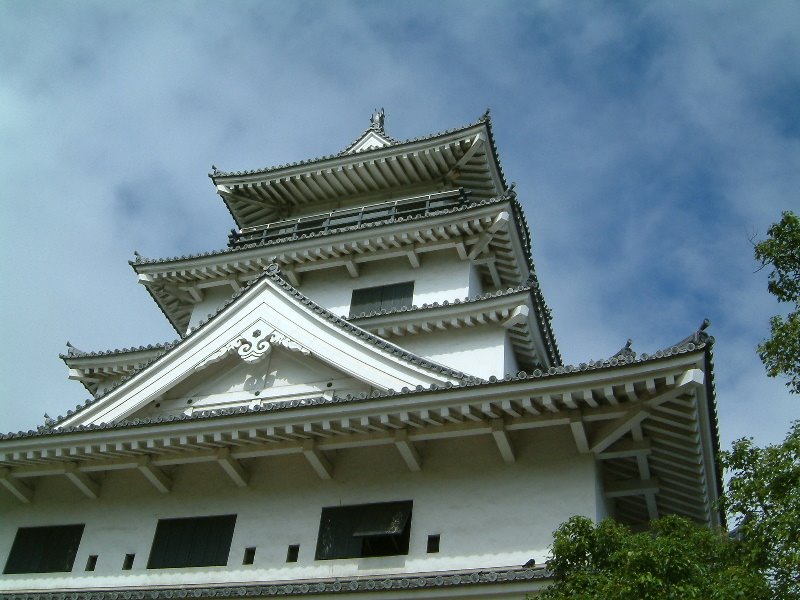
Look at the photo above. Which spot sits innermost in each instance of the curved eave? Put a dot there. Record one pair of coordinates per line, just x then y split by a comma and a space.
512, 310
95, 369
168, 281
648, 421
464, 158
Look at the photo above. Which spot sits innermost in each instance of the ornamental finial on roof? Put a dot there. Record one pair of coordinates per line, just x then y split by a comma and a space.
510, 193
486, 116
626, 351
377, 118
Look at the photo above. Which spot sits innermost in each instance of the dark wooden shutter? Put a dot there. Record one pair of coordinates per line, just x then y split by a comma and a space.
365, 300
44, 549
382, 297
380, 529
192, 542
397, 295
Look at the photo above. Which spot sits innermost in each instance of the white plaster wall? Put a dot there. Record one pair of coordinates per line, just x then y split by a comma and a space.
488, 513
213, 298
441, 276
480, 351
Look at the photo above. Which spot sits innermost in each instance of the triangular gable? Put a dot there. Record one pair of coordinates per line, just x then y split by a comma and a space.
269, 314
231, 383
369, 140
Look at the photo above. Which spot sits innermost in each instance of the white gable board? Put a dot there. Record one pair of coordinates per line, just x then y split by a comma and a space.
369, 141
266, 318
232, 382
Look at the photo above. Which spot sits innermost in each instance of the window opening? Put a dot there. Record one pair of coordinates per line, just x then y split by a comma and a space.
127, 564
433, 544
364, 530
49, 549
292, 553
382, 297
249, 556
91, 562
192, 542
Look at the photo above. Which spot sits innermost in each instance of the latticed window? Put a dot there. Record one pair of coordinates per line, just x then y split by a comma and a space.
382, 297
364, 530
44, 549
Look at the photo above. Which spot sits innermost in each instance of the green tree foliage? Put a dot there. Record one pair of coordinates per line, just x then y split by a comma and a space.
675, 560
764, 495
781, 251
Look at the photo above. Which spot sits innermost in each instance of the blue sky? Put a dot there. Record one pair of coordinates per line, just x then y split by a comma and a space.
650, 143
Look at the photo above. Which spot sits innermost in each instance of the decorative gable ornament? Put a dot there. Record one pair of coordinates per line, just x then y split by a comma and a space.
256, 346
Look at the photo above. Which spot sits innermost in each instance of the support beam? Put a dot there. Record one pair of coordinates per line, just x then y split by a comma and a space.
352, 268
518, 315
82, 481
625, 449
614, 430
652, 507
413, 258
632, 487
232, 468
407, 450
154, 475
317, 460
579, 433
292, 276
20, 491
503, 440
500, 222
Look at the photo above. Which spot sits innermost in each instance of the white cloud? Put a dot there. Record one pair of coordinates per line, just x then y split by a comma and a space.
648, 143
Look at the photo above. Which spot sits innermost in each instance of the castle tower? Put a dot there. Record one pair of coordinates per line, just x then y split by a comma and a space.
366, 398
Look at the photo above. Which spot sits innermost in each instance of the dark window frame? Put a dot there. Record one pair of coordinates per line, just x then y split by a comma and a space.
44, 549
192, 542
364, 530
382, 297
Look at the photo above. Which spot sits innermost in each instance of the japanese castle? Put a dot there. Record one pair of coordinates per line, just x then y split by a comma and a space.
365, 400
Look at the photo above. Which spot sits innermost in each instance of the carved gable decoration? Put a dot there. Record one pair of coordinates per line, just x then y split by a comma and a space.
256, 345
269, 314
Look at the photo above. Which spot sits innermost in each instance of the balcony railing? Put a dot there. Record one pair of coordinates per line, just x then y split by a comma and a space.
347, 217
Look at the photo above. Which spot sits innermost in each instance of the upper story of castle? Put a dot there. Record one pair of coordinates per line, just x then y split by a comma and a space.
420, 242
392, 178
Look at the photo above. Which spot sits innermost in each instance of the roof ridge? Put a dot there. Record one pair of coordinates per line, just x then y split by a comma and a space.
555, 371
218, 173
273, 272
73, 352
141, 260
445, 303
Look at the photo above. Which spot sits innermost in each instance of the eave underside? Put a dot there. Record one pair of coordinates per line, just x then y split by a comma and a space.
646, 429
464, 161
473, 234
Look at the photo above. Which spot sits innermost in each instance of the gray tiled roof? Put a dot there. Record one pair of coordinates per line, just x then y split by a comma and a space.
456, 302
553, 372
379, 130
73, 352
542, 311
302, 587
141, 260
485, 118
273, 272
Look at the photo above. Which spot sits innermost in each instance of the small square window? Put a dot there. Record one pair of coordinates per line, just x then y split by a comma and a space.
91, 562
249, 556
433, 544
127, 564
364, 530
292, 553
